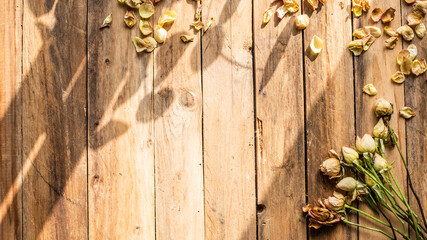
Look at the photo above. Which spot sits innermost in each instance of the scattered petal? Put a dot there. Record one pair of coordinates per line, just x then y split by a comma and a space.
420, 7
268, 13
208, 25
420, 30
391, 42
316, 45
414, 19
365, 5
146, 10
167, 17
133, 3
357, 10
406, 32
389, 31
198, 25
403, 53
130, 19
407, 112
198, 13
406, 66
416, 68
302, 21
375, 31
376, 14
398, 77
423, 65
356, 47
370, 89
367, 41
412, 51
313, 4
388, 15
107, 21
160, 34
147, 44
281, 12
121, 1
409, 1
341, 4
360, 33
187, 38
145, 27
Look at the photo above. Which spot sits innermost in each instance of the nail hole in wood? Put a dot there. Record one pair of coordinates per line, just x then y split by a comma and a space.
260, 208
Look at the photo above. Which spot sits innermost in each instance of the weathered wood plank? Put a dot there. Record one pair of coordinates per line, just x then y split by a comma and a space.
329, 102
178, 129
10, 120
121, 150
280, 126
228, 113
54, 119
376, 66
416, 128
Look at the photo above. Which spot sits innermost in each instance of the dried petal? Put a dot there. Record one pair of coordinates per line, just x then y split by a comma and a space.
291, 6
389, 31
423, 65
401, 54
391, 42
147, 44
420, 7
406, 32
357, 10
133, 3
420, 30
145, 27
414, 19
406, 66
160, 34
341, 4
107, 21
167, 17
187, 38
416, 67
356, 47
412, 51
370, 89
268, 13
198, 13
409, 1
407, 112
375, 31
146, 10
316, 45
313, 4
388, 15
376, 14
281, 12
207, 26
322, 1
198, 25
301, 22
360, 33
398, 77
130, 19
365, 5
121, 1
367, 41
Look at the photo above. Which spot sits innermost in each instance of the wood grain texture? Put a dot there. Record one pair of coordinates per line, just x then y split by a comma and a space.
178, 129
10, 121
329, 102
280, 126
121, 149
376, 66
416, 128
54, 102
228, 113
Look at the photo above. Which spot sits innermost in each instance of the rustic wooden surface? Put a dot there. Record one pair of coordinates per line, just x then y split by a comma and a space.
220, 138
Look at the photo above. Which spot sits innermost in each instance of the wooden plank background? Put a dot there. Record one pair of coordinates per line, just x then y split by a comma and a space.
220, 138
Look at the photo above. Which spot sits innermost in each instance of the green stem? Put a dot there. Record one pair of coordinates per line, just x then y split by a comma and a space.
369, 228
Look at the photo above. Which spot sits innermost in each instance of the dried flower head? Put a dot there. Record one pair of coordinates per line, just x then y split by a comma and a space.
268, 13
365, 144
383, 108
347, 184
376, 14
145, 27
406, 32
316, 45
350, 155
391, 42
320, 216
130, 19
370, 89
398, 77
380, 164
107, 21
381, 130
388, 15
331, 167
146, 10
335, 202
414, 19
407, 112
302, 21
420, 30
389, 31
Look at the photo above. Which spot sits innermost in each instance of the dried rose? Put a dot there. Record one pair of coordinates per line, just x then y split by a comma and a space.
335, 202
414, 19
365, 144
407, 112
302, 21
316, 45
370, 89
388, 15
187, 38
350, 155
383, 108
146, 10
268, 13
406, 32
391, 42
347, 184
145, 27
381, 130
130, 19
398, 77
331, 167
107, 21
420, 30
320, 216
380, 164
376, 14
167, 17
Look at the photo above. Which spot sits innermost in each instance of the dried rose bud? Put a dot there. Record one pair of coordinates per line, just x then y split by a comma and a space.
380, 164
383, 108
347, 184
331, 167
381, 130
350, 155
335, 202
302, 21
369, 181
370, 89
407, 112
365, 144
320, 216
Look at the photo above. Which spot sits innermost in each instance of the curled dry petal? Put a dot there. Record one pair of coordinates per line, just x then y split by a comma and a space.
331, 167
423, 65
406, 66
281, 12
313, 4
320, 216
383, 108
420, 7
147, 44
407, 112
365, 5
381, 130
316, 45
208, 25
409, 1
198, 13
160, 34
370, 89
412, 51
401, 54
417, 67
341, 4
167, 17
414, 19
367, 41
187, 38
375, 31
335, 202
333, 154
349, 154
365, 144
391, 42
398, 77
130, 19
121, 1
389, 31
146, 10
357, 10
133, 3
388, 15
347, 184
197, 25
268, 13
356, 47
291, 6
360, 33
376, 14
107, 21
302, 21
406, 32
420, 30
145, 27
